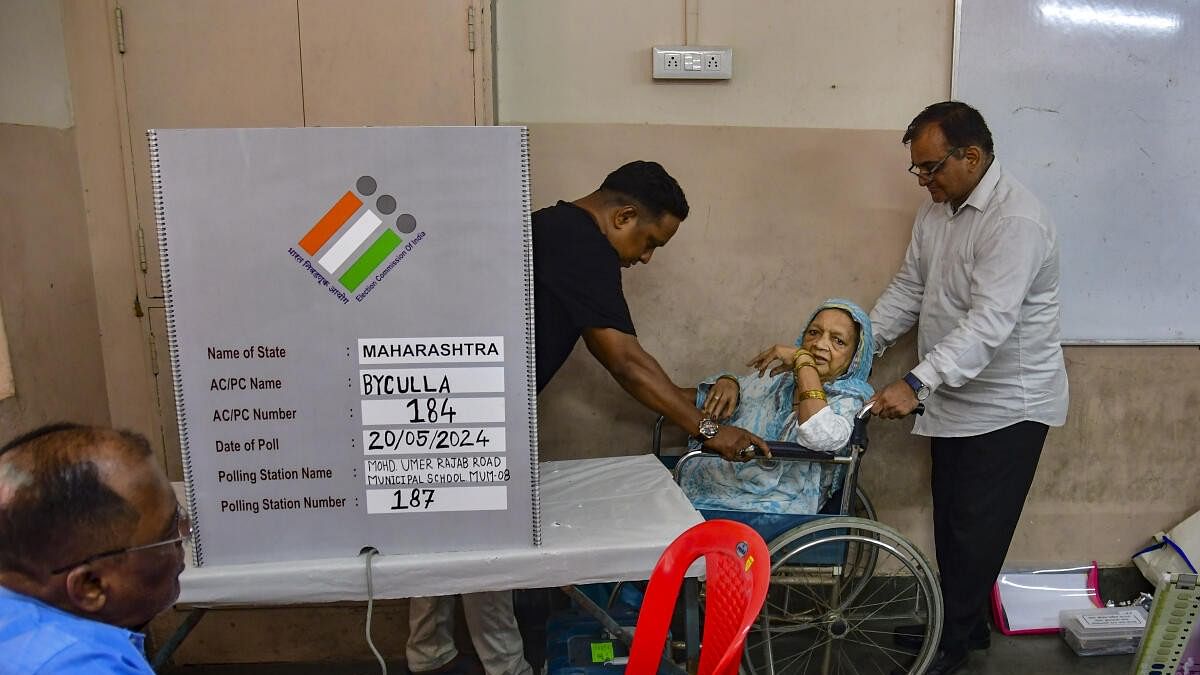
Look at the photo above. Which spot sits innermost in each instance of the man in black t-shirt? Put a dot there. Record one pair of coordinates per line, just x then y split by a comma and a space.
579, 249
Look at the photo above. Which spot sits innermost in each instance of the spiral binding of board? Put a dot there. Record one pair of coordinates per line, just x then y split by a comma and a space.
160, 218
530, 358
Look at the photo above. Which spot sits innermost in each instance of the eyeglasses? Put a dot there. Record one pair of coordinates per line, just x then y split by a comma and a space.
921, 172
183, 530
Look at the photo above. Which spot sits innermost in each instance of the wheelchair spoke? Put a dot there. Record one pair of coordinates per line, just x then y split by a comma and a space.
783, 664
887, 651
842, 659
890, 602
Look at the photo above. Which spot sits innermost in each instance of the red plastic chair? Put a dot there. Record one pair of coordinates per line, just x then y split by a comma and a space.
738, 569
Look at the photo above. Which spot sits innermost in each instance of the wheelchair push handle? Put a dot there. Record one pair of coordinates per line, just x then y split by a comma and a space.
865, 411
858, 437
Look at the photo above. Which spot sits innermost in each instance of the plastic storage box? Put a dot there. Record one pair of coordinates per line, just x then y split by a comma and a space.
1104, 630
576, 644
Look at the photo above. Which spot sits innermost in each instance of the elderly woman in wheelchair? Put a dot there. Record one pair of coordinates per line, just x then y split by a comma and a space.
840, 584
810, 397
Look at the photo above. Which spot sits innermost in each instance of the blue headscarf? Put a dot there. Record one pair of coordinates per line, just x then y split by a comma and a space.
766, 402
853, 382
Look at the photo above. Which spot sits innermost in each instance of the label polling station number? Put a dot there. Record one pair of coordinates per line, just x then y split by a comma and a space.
426, 429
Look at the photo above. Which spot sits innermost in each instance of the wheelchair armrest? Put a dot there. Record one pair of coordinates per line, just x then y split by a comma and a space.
781, 450
788, 450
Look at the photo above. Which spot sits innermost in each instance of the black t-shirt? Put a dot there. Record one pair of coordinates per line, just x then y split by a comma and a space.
576, 284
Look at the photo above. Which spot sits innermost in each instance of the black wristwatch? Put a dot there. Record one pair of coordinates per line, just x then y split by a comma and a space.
919, 388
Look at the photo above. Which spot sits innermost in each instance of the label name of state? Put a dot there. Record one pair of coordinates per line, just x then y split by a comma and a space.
427, 349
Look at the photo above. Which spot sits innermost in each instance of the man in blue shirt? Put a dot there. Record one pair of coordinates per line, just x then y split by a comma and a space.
91, 547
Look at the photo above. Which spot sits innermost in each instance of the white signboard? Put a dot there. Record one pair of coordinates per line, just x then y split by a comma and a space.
350, 313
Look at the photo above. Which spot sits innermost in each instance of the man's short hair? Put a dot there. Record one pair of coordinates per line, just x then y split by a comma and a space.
54, 502
650, 186
961, 124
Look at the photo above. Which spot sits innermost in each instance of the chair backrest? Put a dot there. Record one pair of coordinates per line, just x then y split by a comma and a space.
737, 571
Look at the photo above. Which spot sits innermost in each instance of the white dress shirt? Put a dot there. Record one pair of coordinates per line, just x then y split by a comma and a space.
982, 285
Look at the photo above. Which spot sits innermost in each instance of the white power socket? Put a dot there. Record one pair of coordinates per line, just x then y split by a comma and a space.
685, 62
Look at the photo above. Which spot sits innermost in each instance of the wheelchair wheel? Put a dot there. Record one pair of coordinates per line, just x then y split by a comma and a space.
862, 507
827, 612
860, 560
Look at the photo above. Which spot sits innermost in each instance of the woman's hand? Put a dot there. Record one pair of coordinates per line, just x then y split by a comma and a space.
785, 355
722, 399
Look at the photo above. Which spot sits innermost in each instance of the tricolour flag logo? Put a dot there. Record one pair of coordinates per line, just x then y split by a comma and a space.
352, 239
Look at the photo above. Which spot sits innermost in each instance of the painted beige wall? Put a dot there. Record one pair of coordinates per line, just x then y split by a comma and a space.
856, 64
33, 64
47, 293
46, 287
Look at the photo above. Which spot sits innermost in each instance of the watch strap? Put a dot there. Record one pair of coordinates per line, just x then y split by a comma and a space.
914, 382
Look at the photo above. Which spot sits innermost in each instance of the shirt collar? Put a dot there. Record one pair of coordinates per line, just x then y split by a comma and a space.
80, 626
984, 189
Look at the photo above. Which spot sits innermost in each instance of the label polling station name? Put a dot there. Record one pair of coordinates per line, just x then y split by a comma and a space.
436, 470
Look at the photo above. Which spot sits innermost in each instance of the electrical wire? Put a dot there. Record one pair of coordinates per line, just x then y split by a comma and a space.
370, 553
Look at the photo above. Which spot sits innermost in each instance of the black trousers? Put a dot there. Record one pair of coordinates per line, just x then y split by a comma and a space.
979, 485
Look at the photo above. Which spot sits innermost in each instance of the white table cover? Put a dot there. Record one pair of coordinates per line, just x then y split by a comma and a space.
603, 519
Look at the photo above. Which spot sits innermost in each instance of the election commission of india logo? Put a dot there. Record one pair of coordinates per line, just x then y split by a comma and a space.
347, 247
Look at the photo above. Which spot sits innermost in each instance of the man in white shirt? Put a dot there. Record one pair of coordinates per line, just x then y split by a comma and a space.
980, 281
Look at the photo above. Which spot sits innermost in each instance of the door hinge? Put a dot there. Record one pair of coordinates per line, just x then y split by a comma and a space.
142, 249
471, 29
119, 17
153, 344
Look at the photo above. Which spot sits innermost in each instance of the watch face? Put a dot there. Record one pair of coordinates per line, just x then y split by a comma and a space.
922, 393
708, 428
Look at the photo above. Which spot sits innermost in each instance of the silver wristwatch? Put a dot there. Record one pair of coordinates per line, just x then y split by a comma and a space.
708, 429
919, 388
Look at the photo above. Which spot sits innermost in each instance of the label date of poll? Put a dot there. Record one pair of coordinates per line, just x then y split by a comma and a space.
384, 441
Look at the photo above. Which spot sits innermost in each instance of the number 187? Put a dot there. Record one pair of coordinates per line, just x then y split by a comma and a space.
416, 498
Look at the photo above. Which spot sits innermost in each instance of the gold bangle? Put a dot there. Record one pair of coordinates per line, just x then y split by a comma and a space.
801, 351
806, 364
732, 379
812, 393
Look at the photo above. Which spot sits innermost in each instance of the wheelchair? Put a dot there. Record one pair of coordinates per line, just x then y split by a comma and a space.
841, 582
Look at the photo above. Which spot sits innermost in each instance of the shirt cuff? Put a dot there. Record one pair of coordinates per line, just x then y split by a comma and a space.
926, 373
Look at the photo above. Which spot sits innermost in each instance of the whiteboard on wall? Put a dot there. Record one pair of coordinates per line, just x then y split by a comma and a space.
1096, 108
